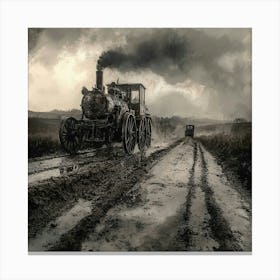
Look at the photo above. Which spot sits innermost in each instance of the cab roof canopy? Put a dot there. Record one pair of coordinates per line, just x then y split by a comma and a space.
134, 86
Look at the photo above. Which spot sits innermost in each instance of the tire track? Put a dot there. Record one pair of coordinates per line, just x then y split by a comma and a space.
201, 238
220, 227
235, 208
121, 179
198, 235
188, 231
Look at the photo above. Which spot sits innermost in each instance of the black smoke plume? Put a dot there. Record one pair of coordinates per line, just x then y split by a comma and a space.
155, 52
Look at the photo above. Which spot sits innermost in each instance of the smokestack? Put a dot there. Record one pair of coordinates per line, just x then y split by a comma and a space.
99, 79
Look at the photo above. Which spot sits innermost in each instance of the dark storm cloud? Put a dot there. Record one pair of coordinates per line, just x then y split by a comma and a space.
33, 36
59, 36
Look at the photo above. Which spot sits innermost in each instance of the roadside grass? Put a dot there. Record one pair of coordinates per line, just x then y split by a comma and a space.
42, 145
43, 137
233, 152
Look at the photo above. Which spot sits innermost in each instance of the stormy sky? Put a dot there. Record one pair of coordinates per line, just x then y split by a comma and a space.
202, 73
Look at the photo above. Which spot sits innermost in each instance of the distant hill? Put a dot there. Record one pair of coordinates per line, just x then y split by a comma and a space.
55, 114
189, 120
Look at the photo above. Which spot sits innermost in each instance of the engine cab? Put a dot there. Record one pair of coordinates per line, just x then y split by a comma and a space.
134, 94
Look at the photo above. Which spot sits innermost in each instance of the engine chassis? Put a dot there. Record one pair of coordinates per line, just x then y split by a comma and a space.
132, 130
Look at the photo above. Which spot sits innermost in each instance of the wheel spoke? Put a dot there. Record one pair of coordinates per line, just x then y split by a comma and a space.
129, 143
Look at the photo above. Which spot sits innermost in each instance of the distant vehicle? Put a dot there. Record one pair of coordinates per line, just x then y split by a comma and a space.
240, 120
189, 130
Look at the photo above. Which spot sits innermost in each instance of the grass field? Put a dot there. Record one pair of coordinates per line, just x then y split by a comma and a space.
233, 151
43, 137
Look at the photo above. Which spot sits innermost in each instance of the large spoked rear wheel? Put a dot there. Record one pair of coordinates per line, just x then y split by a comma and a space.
142, 134
148, 132
68, 135
129, 133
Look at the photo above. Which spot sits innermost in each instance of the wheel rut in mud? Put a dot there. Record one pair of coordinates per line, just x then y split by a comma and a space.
187, 232
220, 228
206, 227
198, 234
103, 185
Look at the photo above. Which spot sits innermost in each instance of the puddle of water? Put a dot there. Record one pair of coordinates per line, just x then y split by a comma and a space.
55, 167
61, 225
56, 172
44, 175
42, 165
62, 166
37, 166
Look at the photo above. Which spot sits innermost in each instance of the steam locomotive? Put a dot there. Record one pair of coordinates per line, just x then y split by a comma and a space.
120, 115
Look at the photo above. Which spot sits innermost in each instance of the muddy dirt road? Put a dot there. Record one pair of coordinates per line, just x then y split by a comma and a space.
174, 198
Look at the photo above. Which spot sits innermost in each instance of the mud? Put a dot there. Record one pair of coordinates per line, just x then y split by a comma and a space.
61, 225
134, 228
40, 169
233, 212
102, 183
199, 236
173, 198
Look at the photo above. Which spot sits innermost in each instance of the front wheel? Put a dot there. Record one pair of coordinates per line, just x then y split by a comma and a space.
69, 136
